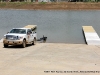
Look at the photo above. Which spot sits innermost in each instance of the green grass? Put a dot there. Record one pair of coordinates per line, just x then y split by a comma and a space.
2, 4
42, 2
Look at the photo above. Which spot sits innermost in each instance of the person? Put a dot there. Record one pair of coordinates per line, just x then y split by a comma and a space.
44, 39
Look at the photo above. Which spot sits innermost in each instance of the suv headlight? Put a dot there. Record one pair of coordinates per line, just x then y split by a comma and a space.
4, 37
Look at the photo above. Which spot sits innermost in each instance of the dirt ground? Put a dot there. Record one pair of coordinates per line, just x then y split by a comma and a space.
50, 59
51, 6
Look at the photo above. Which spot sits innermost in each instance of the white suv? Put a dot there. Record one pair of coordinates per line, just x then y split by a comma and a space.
20, 36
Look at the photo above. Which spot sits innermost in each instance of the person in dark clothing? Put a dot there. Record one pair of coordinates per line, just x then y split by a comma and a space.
44, 39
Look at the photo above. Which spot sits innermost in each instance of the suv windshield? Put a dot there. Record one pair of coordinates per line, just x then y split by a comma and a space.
20, 31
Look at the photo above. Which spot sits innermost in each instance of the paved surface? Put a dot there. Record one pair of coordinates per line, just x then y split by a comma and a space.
43, 57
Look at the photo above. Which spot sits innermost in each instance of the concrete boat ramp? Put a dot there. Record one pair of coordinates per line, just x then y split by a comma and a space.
50, 59
91, 36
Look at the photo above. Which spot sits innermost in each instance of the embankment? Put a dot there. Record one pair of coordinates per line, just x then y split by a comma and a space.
51, 6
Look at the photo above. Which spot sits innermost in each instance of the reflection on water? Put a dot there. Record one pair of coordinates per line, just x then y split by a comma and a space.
59, 26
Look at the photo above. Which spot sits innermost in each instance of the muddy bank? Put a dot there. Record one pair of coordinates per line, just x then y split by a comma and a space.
51, 6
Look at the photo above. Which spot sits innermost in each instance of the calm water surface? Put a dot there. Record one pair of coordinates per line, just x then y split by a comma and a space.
59, 26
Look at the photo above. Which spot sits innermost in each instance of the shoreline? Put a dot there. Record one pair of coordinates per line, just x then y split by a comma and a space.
51, 6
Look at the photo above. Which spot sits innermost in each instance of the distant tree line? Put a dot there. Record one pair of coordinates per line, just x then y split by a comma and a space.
84, 0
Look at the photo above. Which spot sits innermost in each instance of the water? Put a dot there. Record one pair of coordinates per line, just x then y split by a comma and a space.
59, 26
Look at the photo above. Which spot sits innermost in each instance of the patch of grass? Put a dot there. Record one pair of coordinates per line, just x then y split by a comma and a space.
2, 4
42, 2
14, 4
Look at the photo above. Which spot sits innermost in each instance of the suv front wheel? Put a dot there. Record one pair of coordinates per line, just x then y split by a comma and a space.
24, 44
5, 46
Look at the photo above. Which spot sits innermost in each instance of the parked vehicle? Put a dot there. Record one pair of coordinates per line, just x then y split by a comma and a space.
20, 36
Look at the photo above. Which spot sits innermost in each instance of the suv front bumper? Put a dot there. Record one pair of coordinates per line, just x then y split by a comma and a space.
12, 42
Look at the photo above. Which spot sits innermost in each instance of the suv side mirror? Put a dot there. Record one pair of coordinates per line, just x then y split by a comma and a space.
7, 32
28, 33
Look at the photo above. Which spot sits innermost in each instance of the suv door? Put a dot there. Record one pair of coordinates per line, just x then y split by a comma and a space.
29, 35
